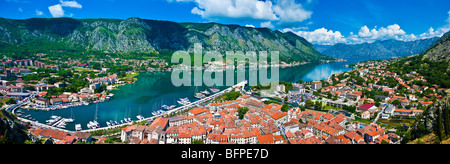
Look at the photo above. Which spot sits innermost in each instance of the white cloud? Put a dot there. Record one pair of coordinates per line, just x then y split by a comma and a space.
249, 25
237, 9
278, 12
364, 32
390, 32
436, 33
324, 36
56, 10
70, 4
320, 36
20, 9
267, 24
290, 12
39, 12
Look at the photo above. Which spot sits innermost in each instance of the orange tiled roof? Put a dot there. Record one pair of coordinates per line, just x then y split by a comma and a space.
266, 139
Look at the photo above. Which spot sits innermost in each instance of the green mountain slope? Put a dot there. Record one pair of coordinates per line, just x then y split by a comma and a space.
433, 63
440, 51
135, 35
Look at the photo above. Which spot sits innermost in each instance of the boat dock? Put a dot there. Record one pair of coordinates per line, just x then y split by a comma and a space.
41, 125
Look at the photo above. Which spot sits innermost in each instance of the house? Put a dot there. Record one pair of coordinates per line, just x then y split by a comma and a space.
365, 115
216, 139
217, 106
372, 132
412, 97
83, 137
94, 86
265, 139
137, 131
172, 135
316, 85
427, 103
56, 101
41, 101
354, 137
388, 111
366, 107
402, 112
184, 138
160, 121
55, 135
279, 117
198, 111
83, 65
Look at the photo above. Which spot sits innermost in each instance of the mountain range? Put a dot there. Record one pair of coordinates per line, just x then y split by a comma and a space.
382, 49
136, 35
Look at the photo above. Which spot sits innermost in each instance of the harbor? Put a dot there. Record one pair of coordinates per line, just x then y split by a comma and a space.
59, 123
186, 106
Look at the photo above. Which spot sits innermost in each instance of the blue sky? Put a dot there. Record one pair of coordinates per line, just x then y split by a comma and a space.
319, 21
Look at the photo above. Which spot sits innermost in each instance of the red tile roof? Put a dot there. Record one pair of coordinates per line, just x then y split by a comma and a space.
366, 106
266, 139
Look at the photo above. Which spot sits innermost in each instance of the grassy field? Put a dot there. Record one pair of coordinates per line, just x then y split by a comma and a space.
81, 69
397, 122
130, 77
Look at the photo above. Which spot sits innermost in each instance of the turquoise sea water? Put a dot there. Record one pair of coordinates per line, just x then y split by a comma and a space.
154, 89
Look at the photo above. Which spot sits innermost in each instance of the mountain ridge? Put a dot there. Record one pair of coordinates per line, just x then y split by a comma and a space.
381, 49
148, 36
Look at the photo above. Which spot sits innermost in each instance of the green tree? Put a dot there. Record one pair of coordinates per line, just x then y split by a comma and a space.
447, 120
302, 108
11, 101
438, 126
308, 104
318, 105
196, 141
285, 107
396, 102
242, 111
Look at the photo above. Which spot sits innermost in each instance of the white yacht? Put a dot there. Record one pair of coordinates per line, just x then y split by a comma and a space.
78, 127
140, 117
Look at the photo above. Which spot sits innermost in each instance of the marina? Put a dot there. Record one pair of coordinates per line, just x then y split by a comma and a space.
59, 122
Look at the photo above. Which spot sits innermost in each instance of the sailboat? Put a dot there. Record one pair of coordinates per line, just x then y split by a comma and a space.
71, 119
139, 116
94, 124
